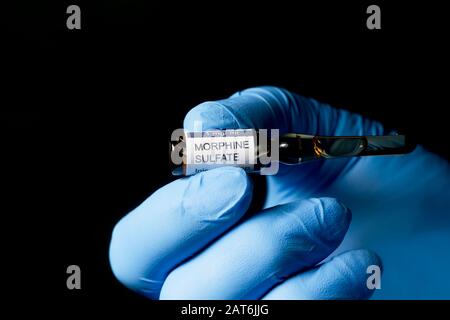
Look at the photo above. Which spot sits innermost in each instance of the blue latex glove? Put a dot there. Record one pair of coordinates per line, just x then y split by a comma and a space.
188, 241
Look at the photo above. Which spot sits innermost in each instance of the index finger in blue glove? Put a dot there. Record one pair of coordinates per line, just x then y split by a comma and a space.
174, 223
271, 107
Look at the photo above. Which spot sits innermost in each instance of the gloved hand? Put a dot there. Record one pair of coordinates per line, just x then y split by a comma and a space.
192, 238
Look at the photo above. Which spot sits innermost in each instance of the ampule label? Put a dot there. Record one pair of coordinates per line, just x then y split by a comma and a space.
210, 149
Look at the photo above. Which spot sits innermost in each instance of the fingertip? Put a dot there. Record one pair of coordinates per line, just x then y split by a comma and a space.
219, 194
209, 115
356, 267
336, 217
345, 277
124, 271
259, 108
365, 257
315, 227
359, 259
329, 219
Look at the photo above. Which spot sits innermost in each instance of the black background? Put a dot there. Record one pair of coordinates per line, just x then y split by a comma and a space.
87, 113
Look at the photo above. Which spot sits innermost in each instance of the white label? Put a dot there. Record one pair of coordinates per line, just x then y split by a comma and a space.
210, 149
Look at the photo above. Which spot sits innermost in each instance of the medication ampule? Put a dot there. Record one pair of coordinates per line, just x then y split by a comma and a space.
252, 150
